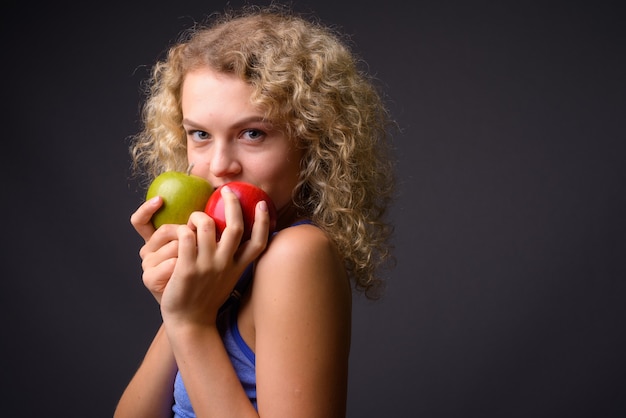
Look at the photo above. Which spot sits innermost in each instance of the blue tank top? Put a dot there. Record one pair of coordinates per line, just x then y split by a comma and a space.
241, 356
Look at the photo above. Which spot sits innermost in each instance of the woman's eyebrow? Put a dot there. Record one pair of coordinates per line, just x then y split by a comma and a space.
241, 122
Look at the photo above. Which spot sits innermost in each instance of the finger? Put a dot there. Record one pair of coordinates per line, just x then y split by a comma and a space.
155, 279
251, 249
187, 246
141, 219
231, 236
160, 238
261, 226
206, 234
152, 258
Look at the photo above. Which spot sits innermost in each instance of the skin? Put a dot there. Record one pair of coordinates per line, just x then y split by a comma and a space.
296, 315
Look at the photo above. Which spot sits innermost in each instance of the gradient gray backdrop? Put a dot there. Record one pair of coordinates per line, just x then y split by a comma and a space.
508, 297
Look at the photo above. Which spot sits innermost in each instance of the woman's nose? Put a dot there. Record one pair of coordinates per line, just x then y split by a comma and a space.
224, 162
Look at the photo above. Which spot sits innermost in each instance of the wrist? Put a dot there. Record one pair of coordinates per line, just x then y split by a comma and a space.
188, 340
185, 330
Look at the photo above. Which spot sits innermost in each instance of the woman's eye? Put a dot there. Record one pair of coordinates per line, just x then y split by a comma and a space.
253, 135
199, 135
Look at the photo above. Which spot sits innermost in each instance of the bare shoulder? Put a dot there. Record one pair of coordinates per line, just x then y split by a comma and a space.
302, 256
301, 274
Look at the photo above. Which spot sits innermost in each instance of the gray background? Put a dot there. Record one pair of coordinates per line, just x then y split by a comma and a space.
508, 297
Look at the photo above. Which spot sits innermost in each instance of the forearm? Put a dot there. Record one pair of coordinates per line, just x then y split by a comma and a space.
210, 379
150, 392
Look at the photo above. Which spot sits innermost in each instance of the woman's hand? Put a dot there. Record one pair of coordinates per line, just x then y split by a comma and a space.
204, 271
160, 249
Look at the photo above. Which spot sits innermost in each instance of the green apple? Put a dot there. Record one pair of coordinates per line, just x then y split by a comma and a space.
182, 194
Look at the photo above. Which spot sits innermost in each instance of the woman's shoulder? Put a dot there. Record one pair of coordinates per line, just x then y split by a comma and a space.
301, 257
301, 243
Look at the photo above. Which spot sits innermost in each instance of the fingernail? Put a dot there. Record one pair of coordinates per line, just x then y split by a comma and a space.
263, 205
154, 200
226, 189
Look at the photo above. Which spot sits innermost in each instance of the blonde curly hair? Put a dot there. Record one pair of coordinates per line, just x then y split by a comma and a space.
308, 82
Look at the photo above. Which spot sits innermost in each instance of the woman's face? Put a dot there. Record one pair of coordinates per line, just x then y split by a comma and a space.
228, 140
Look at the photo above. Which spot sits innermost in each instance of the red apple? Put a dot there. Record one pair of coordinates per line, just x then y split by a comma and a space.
182, 194
248, 195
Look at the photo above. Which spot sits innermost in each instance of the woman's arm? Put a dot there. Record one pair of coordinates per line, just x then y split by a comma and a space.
150, 392
302, 315
210, 380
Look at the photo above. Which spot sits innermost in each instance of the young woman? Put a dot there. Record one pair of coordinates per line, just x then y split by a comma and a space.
266, 97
